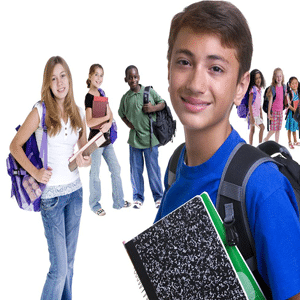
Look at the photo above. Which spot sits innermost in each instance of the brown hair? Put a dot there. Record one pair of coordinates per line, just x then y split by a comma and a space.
91, 72
222, 19
53, 114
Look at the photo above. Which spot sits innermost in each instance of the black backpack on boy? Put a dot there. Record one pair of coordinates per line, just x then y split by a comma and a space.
231, 203
164, 127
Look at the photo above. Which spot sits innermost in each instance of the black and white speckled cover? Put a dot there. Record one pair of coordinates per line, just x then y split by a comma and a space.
182, 257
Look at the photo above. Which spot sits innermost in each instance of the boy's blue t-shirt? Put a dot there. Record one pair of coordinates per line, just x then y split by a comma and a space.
271, 207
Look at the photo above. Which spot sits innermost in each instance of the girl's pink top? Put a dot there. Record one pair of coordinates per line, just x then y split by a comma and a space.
257, 102
278, 103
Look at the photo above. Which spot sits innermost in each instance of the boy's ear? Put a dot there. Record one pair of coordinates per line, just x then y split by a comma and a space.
125, 79
241, 88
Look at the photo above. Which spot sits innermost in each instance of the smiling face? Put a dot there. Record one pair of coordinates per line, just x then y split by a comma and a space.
257, 80
96, 78
133, 78
279, 77
294, 85
203, 81
59, 82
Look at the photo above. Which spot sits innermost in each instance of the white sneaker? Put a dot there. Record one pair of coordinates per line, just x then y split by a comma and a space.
157, 203
137, 204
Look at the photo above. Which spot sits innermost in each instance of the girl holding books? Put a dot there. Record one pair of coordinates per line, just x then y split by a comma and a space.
103, 124
293, 99
61, 202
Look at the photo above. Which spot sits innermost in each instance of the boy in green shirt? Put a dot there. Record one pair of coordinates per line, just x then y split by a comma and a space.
134, 113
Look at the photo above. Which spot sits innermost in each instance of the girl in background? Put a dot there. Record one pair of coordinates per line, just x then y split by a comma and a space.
61, 202
276, 95
257, 82
293, 99
94, 81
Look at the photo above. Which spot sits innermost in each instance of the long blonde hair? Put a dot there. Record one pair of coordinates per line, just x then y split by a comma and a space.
53, 114
274, 81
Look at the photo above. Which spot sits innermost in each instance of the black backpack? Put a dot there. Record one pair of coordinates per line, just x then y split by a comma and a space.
266, 99
232, 189
164, 128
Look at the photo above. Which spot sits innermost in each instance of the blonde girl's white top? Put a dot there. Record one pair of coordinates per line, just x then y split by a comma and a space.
60, 149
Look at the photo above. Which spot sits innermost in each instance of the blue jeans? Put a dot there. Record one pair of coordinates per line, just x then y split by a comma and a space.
136, 172
61, 218
109, 155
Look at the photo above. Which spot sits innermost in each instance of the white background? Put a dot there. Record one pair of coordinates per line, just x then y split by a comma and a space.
114, 34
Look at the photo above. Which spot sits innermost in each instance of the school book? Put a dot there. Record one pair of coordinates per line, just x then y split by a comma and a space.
87, 149
183, 256
99, 108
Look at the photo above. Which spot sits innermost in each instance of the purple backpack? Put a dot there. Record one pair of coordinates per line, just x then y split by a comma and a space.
25, 188
243, 108
113, 134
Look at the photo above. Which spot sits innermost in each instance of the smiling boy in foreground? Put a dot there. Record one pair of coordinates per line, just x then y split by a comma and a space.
209, 57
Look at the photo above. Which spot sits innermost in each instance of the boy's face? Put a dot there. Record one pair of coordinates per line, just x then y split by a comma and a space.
203, 81
132, 78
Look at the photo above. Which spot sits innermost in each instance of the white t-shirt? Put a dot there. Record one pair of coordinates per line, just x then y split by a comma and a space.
60, 149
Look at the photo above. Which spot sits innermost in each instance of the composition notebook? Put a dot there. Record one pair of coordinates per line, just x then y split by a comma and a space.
183, 256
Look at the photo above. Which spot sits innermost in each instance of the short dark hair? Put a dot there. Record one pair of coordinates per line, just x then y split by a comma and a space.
129, 68
222, 19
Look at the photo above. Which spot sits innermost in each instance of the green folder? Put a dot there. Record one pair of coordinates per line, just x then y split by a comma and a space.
246, 277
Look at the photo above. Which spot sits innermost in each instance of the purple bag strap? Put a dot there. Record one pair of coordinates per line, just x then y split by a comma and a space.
102, 94
44, 144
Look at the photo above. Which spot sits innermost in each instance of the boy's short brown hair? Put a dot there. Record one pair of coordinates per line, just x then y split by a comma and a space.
222, 19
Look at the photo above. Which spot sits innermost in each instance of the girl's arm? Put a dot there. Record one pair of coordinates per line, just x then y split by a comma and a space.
92, 122
106, 126
83, 161
290, 104
250, 108
26, 130
270, 106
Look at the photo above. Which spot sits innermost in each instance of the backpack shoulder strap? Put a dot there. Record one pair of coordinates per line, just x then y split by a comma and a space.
173, 162
146, 94
146, 99
232, 194
44, 144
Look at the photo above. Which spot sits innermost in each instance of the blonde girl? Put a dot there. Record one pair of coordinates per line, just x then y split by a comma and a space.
62, 198
276, 95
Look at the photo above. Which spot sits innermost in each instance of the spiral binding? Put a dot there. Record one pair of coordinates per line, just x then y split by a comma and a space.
141, 287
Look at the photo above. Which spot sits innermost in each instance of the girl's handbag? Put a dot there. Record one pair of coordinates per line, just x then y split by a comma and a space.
113, 129
25, 188
113, 134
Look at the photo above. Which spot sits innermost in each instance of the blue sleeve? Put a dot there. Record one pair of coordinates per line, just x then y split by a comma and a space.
274, 222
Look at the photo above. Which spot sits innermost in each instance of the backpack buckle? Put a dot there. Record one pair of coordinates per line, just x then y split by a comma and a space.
232, 237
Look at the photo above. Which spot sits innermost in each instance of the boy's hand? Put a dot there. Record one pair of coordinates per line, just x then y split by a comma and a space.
127, 122
148, 108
